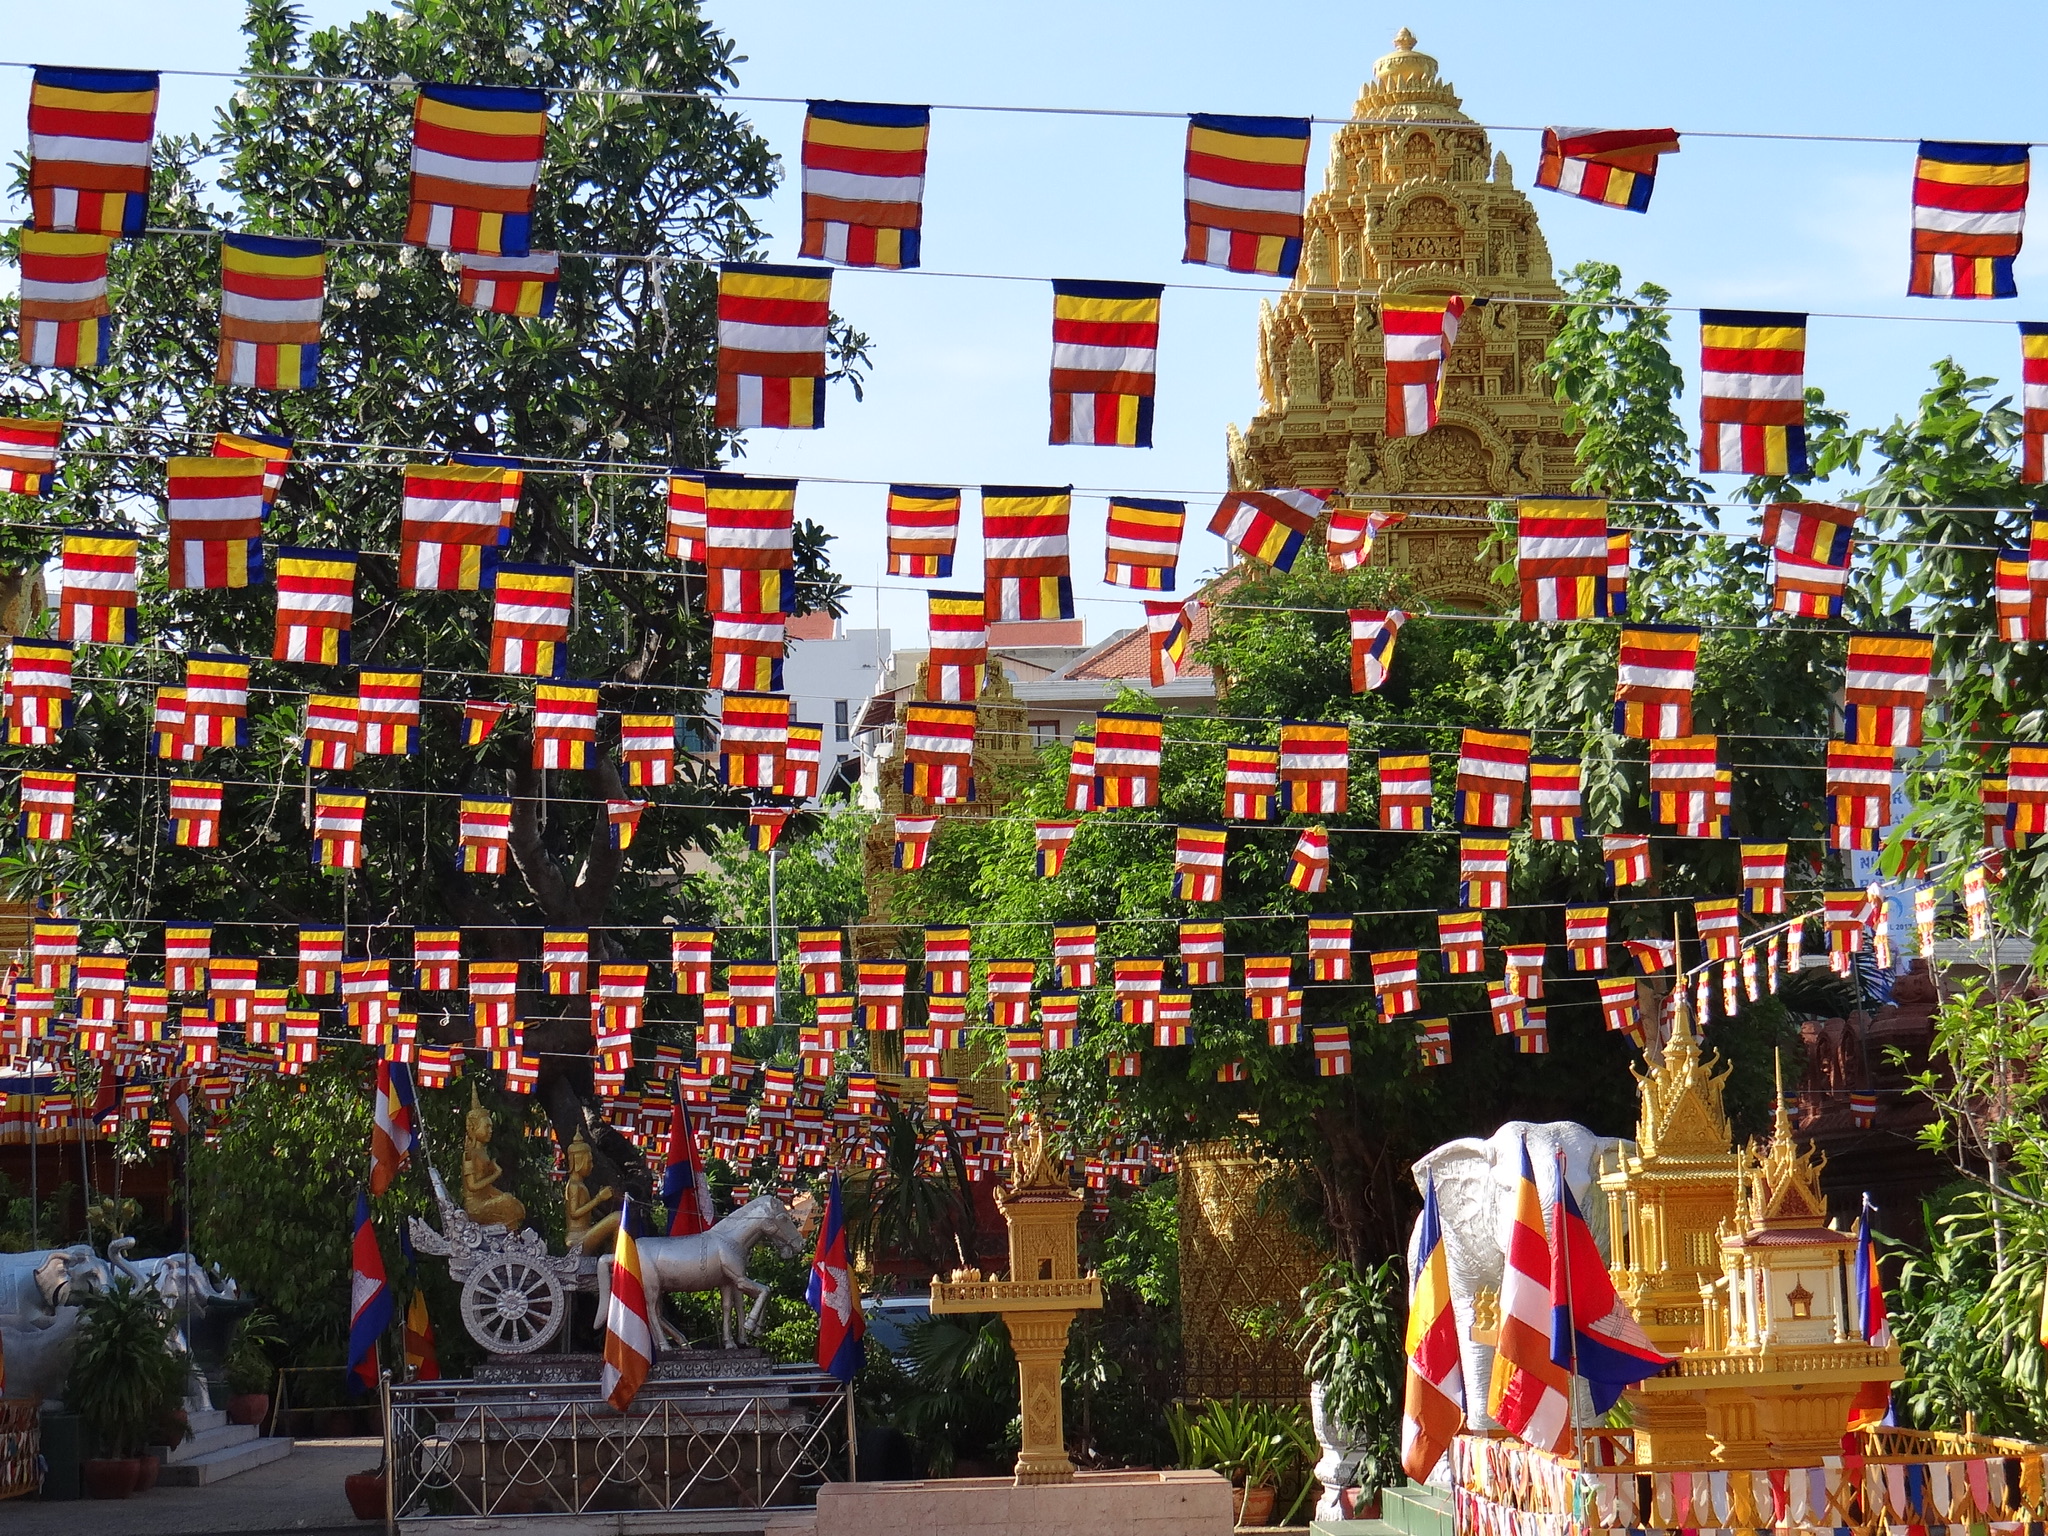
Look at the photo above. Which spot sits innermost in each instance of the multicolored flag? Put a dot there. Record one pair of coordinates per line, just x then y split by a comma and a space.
98, 599
1315, 767
1169, 628
1144, 543
1246, 179
685, 532
956, 664
1353, 531
1483, 872
746, 651
64, 309
1873, 1404
89, 137
1025, 565
38, 691
1105, 362
1654, 682
531, 610
1198, 863
1269, 526
215, 509
479, 718
1615, 167
369, 1305
1461, 936
797, 778
1763, 878
1530, 1394
628, 1320
1251, 782
771, 345
564, 724
49, 805
924, 527
511, 285
647, 745
485, 829
1406, 794
1053, 840
1593, 1334
1884, 697
1555, 800
316, 602
684, 1188
749, 544
2033, 392
1308, 869
394, 1129
1585, 937
1493, 773
273, 292
753, 736
834, 1293
338, 828
914, 841
1561, 557
28, 455
1372, 646
938, 753
1433, 1394
1969, 212
863, 183
1752, 392
476, 152
1127, 757
1419, 334
454, 518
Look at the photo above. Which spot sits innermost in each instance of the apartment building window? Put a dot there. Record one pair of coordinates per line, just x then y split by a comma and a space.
840, 732
1044, 731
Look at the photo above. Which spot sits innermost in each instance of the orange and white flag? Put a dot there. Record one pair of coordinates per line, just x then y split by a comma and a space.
628, 1329
1529, 1395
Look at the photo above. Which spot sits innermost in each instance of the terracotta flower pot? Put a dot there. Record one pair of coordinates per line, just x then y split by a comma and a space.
146, 1470
365, 1492
1253, 1506
109, 1478
248, 1407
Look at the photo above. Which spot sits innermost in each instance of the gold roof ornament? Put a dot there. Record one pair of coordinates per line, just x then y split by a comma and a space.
1784, 1183
1682, 1099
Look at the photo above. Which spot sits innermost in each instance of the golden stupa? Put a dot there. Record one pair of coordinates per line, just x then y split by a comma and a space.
1414, 201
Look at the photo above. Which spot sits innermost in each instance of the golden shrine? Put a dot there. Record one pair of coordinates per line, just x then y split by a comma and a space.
1038, 1301
1414, 201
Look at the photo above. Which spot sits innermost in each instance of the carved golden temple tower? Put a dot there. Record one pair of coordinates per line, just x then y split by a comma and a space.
1414, 201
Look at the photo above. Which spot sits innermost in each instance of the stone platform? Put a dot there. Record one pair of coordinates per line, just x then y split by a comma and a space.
1175, 1503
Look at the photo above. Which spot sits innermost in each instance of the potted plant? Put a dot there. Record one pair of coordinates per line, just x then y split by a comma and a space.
124, 1379
248, 1370
1258, 1446
1351, 1347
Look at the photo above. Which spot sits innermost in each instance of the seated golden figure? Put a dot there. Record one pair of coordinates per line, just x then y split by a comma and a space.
579, 1206
486, 1204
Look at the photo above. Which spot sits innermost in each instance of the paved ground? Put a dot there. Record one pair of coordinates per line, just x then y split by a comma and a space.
301, 1493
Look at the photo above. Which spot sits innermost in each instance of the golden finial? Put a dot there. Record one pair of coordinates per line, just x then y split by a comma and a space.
1781, 1125
1404, 41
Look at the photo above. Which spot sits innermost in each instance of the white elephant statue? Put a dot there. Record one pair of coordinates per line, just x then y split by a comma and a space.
35, 1284
38, 1357
189, 1289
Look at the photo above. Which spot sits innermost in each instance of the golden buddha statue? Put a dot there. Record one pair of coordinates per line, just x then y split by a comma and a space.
487, 1205
586, 1231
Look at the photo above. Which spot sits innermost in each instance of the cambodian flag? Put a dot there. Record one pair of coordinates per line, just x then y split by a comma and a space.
1873, 1403
684, 1189
1592, 1333
369, 1302
834, 1294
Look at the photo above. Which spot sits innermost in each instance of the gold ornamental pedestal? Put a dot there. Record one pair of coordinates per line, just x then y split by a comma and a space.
1037, 1302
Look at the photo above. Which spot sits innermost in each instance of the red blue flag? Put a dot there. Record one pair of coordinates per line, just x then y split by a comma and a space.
1873, 1404
1592, 1332
684, 1189
834, 1294
369, 1302
394, 1124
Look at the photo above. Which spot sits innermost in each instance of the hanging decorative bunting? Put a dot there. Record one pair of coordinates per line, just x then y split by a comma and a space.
690, 956
1719, 921
1859, 784
1081, 774
1752, 392
1811, 545
957, 664
388, 713
531, 610
1654, 681
771, 345
1201, 954
938, 753
914, 840
1251, 782
749, 544
215, 513
1763, 878
1348, 543
316, 600
564, 724
1885, 692
38, 691
2022, 606
1419, 333
1652, 955
1372, 646
1483, 872
1614, 596
1461, 936
1554, 799
272, 295
863, 183
1433, 1039
436, 958
1394, 981
216, 700
195, 813
511, 285
2033, 392
1136, 985
1523, 969
1024, 552
1198, 863
1127, 754
1246, 178
476, 152
479, 718
1627, 855
338, 828
924, 526
485, 828
1683, 778
454, 519
753, 735
948, 953
647, 744
746, 651
1615, 167
1053, 839
1329, 947
1073, 954
49, 805
1269, 526
880, 984
1315, 768
1585, 936
1309, 869
2026, 785
1169, 627
622, 821
687, 517
1561, 557
1969, 210
1105, 362
28, 455
1406, 794
64, 308
99, 592
1618, 1007
565, 960
1493, 772
1143, 543
90, 132
168, 726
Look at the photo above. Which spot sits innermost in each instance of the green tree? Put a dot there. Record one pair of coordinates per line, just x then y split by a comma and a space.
619, 380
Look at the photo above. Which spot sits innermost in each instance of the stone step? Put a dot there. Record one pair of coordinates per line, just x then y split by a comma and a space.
1416, 1510
204, 1442
215, 1465
210, 1418
1351, 1528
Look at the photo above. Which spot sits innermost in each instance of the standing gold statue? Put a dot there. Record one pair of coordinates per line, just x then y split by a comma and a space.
580, 1206
481, 1198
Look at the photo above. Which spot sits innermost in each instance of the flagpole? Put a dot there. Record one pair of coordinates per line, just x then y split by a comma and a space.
1564, 1249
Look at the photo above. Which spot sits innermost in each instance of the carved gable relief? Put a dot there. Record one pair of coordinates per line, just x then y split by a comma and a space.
1418, 158
1447, 458
1427, 230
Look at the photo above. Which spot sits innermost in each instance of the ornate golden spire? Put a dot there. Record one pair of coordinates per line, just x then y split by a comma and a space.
1682, 1099
1784, 1182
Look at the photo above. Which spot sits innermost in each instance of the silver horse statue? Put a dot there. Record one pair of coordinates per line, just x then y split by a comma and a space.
711, 1261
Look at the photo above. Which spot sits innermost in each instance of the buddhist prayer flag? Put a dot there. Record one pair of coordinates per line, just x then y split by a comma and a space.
1137, 988
1024, 552
1246, 178
1251, 782
938, 753
216, 699
1561, 557
1585, 937
1483, 872
746, 651
1628, 858
1885, 692
690, 955
753, 735
1394, 981
924, 526
1529, 1395
1433, 1393
1127, 754
168, 726
2033, 388
1433, 1039
1201, 953
1309, 868
1349, 540
771, 345
1144, 543
1073, 954
947, 954
1081, 774
564, 724
479, 718
486, 836
1593, 1334
64, 307
89, 138
863, 183
1372, 646
1763, 878
1683, 778
272, 294
914, 840
49, 803
1652, 955
1332, 1046
1406, 793
99, 588
338, 829
1614, 600
1461, 936
38, 691
749, 543
1653, 687
957, 663
565, 959
764, 828
476, 152
1554, 799
1969, 209
1615, 167
1810, 530
195, 813
28, 455
1859, 783
1419, 334
455, 516
1329, 947
436, 957
1054, 838
647, 744
1198, 863
216, 508
1268, 525
1719, 921
1493, 772
531, 610
622, 821
316, 601
1168, 629
1752, 392
2026, 785
879, 985
1315, 768
2022, 606
1105, 362
685, 532
511, 285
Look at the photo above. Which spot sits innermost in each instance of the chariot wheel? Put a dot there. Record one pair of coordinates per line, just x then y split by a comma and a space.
511, 1305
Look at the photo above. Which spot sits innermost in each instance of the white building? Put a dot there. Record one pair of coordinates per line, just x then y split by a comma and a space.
828, 674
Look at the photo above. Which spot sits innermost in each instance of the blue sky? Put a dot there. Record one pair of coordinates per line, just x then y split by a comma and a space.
958, 394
